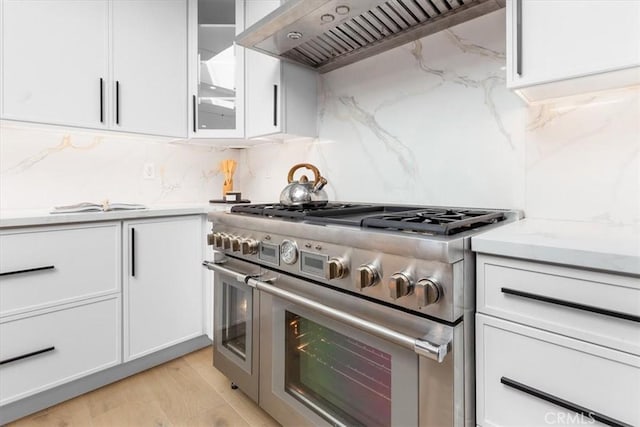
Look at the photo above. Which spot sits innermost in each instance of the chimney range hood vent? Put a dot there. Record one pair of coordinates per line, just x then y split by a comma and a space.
329, 34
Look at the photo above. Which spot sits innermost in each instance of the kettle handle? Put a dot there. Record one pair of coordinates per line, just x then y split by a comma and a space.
317, 177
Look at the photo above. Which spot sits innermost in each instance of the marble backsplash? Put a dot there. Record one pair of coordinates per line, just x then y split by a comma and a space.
42, 167
432, 122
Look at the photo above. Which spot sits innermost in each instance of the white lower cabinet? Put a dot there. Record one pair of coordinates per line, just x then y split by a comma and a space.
42, 351
162, 283
530, 377
78, 299
555, 345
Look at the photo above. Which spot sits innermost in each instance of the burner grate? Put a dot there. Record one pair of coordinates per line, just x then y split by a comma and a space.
278, 210
437, 221
443, 221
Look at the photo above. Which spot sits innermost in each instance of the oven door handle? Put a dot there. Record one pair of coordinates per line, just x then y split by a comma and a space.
420, 346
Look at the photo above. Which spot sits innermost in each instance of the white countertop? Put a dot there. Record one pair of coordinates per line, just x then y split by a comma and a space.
608, 247
33, 217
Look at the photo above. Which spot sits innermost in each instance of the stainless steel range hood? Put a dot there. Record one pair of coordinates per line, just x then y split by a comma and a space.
329, 34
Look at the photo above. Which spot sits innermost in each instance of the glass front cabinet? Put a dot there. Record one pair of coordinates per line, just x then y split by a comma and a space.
216, 69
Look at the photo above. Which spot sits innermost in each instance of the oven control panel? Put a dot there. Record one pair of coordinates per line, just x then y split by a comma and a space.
421, 285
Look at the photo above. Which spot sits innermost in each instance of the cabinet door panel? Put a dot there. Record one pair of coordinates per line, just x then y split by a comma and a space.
77, 262
562, 39
162, 283
150, 66
599, 379
74, 342
263, 82
54, 55
217, 76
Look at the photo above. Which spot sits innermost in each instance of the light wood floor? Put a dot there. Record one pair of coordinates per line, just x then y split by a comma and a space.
187, 391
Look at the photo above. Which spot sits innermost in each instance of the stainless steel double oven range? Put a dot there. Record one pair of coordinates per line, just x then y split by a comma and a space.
349, 314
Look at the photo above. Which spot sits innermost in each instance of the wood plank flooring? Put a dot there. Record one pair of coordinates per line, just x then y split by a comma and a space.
187, 391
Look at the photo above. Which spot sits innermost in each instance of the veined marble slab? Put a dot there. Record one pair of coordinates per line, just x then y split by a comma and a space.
609, 247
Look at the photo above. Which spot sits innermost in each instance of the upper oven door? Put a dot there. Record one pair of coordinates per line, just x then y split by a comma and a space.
317, 370
236, 327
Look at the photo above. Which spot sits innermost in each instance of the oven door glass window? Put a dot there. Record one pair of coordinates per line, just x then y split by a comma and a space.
234, 308
345, 381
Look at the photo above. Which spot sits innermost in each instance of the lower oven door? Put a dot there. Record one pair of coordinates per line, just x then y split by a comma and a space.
316, 370
236, 328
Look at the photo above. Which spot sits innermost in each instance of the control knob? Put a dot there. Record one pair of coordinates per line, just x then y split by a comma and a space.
428, 291
235, 243
217, 239
335, 268
367, 276
226, 241
399, 285
249, 247
211, 239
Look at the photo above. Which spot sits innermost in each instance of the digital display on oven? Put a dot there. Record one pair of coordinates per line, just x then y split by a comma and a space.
269, 253
312, 263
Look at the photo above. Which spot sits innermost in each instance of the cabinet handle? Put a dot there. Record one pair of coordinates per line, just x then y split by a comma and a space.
117, 102
28, 270
275, 105
24, 356
563, 403
519, 37
195, 123
577, 306
133, 252
101, 100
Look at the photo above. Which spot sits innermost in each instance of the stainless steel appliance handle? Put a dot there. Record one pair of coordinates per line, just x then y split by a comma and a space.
216, 266
421, 347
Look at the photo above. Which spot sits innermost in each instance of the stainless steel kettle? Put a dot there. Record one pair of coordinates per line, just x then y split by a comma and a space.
304, 192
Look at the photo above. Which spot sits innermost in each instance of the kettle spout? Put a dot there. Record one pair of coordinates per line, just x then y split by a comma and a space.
319, 184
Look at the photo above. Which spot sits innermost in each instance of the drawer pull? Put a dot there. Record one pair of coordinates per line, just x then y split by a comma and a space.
133, 252
584, 307
24, 356
28, 270
563, 403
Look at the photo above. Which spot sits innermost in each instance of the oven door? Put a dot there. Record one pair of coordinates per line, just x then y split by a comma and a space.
319, 370
236, 327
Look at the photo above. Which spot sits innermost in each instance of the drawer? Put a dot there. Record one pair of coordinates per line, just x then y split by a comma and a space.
521, 370
54, 265
597, 307
74, 342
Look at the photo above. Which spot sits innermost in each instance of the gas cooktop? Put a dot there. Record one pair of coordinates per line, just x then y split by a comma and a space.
419, 219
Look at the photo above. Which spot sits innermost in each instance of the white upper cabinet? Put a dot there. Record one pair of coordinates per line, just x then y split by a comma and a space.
216, 69
558, 48
55, 62
102, 64
281, 97
149, 66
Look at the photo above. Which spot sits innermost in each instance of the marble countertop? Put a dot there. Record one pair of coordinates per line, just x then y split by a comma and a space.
34, 217
614, 248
